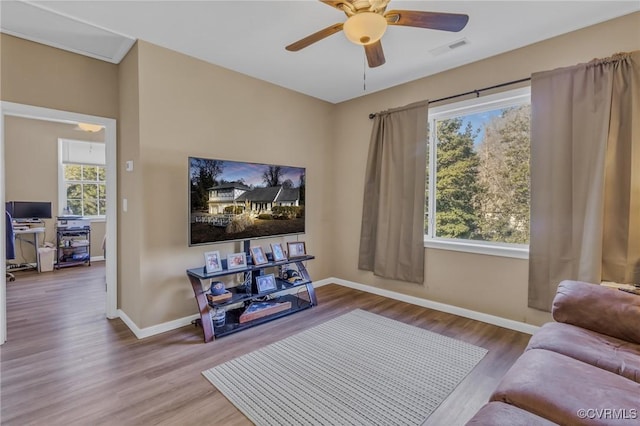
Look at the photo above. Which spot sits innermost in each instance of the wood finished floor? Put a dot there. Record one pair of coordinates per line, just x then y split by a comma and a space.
64, 363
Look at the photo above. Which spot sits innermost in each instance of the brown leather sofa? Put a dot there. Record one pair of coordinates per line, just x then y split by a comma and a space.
583, 369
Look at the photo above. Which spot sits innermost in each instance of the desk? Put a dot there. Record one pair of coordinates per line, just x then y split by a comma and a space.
34, 233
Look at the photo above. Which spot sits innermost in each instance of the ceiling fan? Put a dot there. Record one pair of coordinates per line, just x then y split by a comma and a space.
367, 21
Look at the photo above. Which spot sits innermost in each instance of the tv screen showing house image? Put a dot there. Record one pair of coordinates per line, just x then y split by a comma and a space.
232, 200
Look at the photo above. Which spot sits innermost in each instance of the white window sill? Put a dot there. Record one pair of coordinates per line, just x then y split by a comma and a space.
479, 247
97, 219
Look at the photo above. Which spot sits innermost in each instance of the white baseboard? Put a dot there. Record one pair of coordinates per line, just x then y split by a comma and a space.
426, 303
97, 258
141, 333
326, 281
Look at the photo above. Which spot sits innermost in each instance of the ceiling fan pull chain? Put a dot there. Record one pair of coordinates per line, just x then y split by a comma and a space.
364, 73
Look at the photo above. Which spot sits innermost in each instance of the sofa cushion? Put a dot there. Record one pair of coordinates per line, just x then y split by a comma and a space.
606, 352
501, 414
567, 391
598, 308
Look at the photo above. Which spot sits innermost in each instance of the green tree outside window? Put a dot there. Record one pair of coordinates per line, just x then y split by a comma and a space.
482, 176
85, 189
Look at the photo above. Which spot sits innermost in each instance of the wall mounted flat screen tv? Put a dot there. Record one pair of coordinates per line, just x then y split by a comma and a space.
29, 209
232, 200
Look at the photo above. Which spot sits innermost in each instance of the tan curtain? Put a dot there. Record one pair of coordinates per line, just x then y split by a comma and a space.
392, 233
585, 175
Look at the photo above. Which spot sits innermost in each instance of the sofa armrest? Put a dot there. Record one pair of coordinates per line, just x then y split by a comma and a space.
598, 308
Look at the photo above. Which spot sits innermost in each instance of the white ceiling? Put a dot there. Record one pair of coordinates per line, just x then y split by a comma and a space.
249, 36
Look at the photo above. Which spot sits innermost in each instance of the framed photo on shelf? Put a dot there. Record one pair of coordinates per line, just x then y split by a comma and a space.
236, 261
296, 249
212, 262
258, 256
278, 252
266, 283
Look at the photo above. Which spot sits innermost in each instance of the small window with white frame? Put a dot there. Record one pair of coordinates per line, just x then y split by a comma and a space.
477, 185
82, 178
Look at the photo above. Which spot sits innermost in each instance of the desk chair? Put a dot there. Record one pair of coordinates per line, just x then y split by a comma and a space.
11, 250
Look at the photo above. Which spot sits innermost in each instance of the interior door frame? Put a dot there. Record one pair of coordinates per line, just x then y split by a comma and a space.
111, 267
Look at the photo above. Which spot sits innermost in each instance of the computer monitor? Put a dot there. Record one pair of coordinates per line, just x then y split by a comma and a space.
22, 210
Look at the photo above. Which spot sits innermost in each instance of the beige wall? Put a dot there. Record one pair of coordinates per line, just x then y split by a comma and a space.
191, 108
31, 172
129, 298
35, 74
489, 284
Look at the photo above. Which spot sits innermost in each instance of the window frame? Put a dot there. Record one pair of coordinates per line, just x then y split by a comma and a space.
495, 101
62, 182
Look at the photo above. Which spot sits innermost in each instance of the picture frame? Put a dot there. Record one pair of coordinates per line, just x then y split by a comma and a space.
296, 249
278, 252
212, 262
258, 256
265, 283
236, 261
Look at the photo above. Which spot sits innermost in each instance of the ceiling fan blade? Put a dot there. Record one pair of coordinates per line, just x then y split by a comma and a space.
302, 43
375, 55
431, 20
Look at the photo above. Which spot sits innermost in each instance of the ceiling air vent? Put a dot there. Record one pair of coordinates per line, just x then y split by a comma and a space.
449, 47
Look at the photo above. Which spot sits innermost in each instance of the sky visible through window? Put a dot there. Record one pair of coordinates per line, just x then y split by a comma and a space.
478, 122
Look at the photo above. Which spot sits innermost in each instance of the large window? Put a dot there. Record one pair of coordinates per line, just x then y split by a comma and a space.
478, 172
82, 179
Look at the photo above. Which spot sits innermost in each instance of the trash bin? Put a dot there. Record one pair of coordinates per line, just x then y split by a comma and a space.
46, 258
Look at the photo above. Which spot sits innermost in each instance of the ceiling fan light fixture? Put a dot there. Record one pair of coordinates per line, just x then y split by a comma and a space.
365, 28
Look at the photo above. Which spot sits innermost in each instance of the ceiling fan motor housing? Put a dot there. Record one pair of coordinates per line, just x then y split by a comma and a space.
365, 28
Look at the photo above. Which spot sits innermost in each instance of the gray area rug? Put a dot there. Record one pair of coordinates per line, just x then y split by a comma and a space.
356, 369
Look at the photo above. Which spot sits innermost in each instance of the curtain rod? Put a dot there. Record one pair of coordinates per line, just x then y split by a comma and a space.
477, 92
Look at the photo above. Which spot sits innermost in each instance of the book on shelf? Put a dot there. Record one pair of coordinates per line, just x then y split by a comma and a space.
219, 297
262, 309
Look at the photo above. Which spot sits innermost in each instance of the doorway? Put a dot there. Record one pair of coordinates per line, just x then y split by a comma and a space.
39, 113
